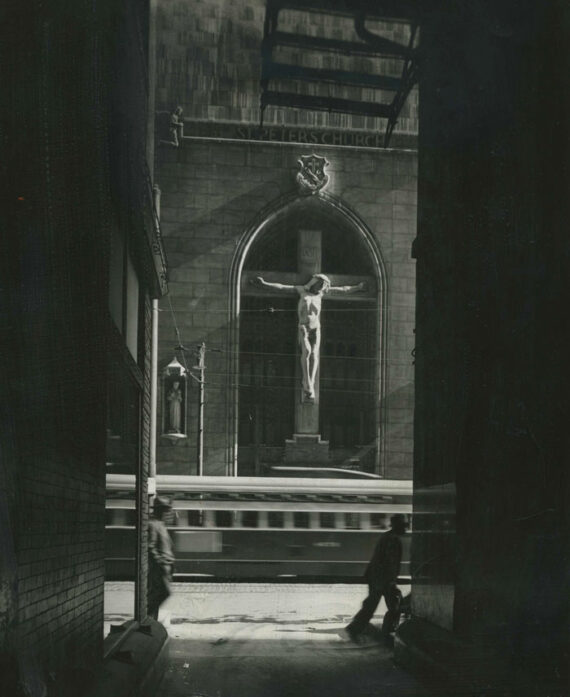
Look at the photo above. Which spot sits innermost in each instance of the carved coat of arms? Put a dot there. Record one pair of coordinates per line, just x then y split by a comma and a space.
312, 177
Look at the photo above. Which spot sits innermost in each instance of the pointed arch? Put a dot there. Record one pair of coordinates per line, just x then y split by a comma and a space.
278, 209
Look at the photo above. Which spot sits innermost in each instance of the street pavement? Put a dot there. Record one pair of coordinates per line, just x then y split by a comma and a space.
268, 640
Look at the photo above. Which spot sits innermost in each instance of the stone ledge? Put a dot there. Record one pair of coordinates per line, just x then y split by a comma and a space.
136, 665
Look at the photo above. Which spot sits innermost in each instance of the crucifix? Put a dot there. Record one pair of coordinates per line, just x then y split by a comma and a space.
311, 287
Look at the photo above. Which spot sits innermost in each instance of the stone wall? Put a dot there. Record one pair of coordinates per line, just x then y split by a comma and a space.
209, 62
212, 191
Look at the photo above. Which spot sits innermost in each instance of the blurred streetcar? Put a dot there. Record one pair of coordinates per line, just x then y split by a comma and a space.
261, 528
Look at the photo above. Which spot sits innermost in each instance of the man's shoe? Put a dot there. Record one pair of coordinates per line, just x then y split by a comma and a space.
353, 635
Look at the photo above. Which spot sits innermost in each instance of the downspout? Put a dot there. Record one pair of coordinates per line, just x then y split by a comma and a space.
154, 370
153, 392
150, 144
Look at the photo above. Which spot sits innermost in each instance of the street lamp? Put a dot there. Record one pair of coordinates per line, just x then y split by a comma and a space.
174, 403
175, 381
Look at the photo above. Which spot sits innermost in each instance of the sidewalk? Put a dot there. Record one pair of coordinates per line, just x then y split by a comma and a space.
273, 640
249, 667
266, 610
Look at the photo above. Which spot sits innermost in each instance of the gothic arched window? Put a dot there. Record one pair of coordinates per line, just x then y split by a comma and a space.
307, 239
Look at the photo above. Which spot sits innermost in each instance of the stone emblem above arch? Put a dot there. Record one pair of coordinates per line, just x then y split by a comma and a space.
312, 177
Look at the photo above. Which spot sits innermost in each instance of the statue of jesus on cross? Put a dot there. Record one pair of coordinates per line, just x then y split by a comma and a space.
309, 322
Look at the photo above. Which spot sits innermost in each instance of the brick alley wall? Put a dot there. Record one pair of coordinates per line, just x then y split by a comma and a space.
53, 350
54, 347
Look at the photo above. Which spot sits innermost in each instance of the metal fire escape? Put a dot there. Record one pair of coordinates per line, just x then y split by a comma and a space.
391, 90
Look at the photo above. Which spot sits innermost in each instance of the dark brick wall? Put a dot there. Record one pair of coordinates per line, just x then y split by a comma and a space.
59, 550
58, 67
212, 192
53, 349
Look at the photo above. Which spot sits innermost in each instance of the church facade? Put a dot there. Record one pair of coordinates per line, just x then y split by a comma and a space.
306, 193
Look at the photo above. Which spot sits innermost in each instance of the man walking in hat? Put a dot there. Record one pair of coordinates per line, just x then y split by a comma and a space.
382, 576
160, 557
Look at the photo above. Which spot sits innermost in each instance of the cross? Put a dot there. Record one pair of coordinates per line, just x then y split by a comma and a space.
309, 255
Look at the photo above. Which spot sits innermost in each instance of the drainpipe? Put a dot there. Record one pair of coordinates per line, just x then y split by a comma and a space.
153, 389
154, 371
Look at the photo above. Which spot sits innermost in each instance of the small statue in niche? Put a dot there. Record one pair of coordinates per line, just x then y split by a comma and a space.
176, 126
174, 399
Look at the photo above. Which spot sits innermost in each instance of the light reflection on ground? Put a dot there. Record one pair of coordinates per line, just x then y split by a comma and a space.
249, 611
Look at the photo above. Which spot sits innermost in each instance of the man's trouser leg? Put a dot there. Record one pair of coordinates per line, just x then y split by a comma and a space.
365, 614
158, 587
393, 598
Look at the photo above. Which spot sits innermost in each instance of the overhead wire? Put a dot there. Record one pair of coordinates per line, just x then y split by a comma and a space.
291, 387
219, 349
289, 355
272, 310
290, 378
237, 374
180, 346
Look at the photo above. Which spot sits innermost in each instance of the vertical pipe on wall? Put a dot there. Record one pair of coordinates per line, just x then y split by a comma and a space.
151, 67
154, 359
200, 439
153, 387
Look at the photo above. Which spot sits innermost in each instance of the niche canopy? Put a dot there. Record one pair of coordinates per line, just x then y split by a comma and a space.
379, 69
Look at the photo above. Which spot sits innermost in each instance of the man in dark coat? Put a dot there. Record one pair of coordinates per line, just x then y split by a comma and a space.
382, 576
160, 557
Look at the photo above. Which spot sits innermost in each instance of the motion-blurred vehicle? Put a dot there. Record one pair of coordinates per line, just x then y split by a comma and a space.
261, 528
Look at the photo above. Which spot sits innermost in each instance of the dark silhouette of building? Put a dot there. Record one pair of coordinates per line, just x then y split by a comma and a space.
490, 550
82, 260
